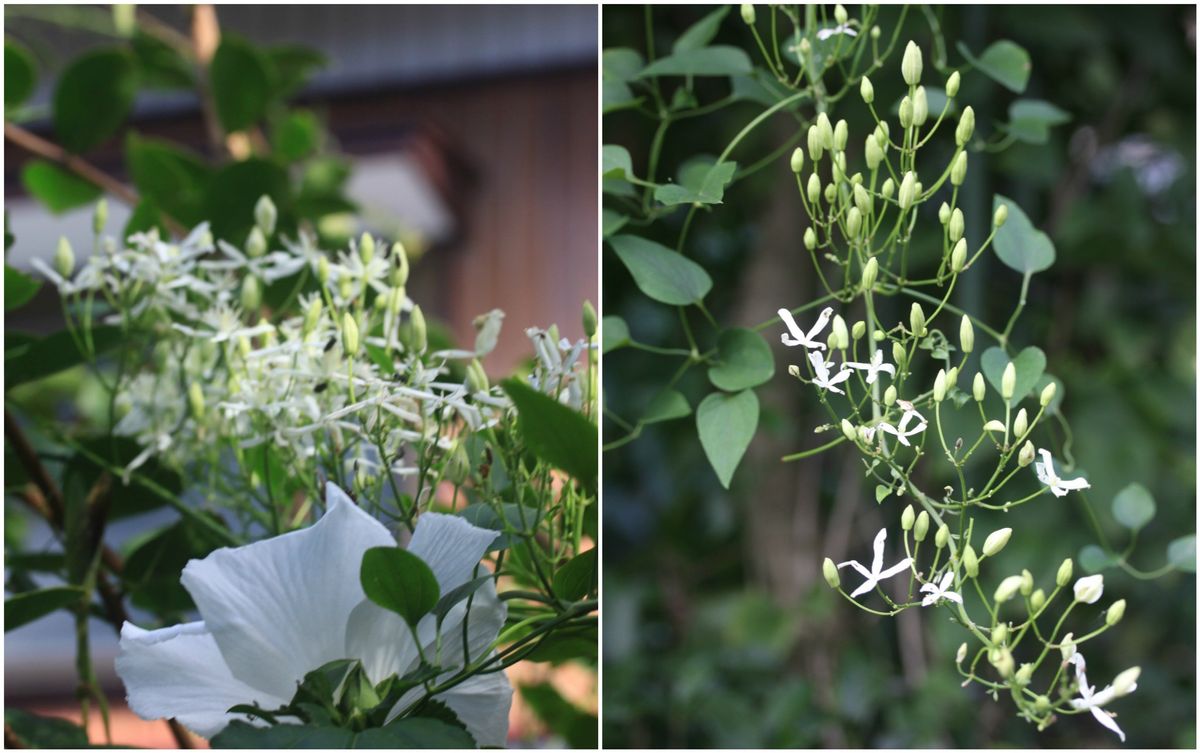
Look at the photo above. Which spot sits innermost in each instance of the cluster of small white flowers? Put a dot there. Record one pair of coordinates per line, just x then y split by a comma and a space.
557, 369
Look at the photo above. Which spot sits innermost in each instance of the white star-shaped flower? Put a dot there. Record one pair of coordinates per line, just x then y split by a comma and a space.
901, 431
1092, 700
876, 573
799, 336
940, 591
1058, 486
824, 34
821, 375
873, 368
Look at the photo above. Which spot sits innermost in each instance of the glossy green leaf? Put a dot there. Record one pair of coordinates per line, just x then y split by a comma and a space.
160, 66
232, 193
1133, 507
570, 643
58, 189
1030, 120
23, 609
667, 405
719, 60
1018, 243
1182, 553
661, 273
743, 360
726, 424
19, 288
702, 32
291, 66
399, 580
240, 82
577, 578
882, 492
555, 433
1030, 364
173, 179
700, 183
297, 135
1005, 62
20, 74
93, 97
614, 333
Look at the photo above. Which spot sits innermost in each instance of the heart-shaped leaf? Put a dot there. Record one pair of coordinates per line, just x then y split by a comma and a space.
700, 182
727, 424
743, 360
1018, 243
1133, 507
1030, 120
1182, 553
614, 333
1030, 365
1005, 62
616, 162
661, 273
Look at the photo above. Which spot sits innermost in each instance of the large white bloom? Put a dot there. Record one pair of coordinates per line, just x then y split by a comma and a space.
277, 609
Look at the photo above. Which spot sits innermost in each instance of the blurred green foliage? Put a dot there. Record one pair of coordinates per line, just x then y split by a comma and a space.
700, 650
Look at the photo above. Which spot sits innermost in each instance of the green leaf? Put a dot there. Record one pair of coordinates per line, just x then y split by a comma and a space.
1182, 553
618, 67
614, 333
93, 98
577, 578
569, 643
241, 83
700, 182
579, 728
19, 288
45, 731
173, 179
20, 74
1030, 120
232, 193
27, 607
1133, 507
660, 273
1018, 243
240, 734
461, 593
558, 435
510, 518
152, 570
611, 222
160, 66
59, 189
399, 580
1030, 364
719, 60
743, 360
297, 135
702, 32
882, 492
52, 354
616, 162
667, 405
726, 424
1007, 63
291, 66
1093, 559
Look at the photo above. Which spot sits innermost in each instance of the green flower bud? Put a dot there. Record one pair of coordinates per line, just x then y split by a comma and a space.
939, 386
952, 85
256, 243
815, 147
883, 132
907, 518
366, 248
978, 388
1064, 572
1025, 456
1002, 660
958, 173
1024, 674
251, 293
1020, 424
1041, 704
899, 355
921, 527
748, 14
942, 537
878, 335
1001, 216
870, 273
797, 160
825, 131
996, 426
243, 346
830, 571
839, 14
477, 380
100, 216
853, 222
920, 107
1048, 394
1037, 600
952, 378
64, 258
831, 341
1067, 646
805, 49
999, 634
873, 154
961, 654
265, 215
996, 541
867, 90
862, 200
312, 317
323, 270
956, 226
966, 126
1115, 613
1026, 582
944, 213
888, 188
810, 238
848, 430
814, 190
589, 320
841, 133
858, 330
1008, 382
349, 334
418, 333
906, 112
831, 192
1126, 681
841, 336
970, 562
958, 256
908, 191
196, 400
916, 319
910, 65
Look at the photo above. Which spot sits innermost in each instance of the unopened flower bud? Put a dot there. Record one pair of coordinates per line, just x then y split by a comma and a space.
1002, 660
251, 293
942, 537
944, 213
907, 518
939, 386
196, 400
794, 370
961, 654
1067, 646
996, 541
244, 347
1020, 424
910, 65
853, 222
323, 270
1025, 457
841, 336
899, 355
256, 243
857, 330
908, 191
952, 378
1024, 674
815, 147
995, 425
418, 333
978, 388
1065, 571
366, 248
970, 561
952, 85
1089, 590
966, 126
1041, 704
797, 160
958, 173
589, 320
916, 319
906, 112
830, 191
265, 215
830, 571
888, 188
1115, 613
64, 258
810, 238
477, 380
312, 317
814, 190
870, 273
848, 430
1037, 600
1001, 215
1008, 381
1125, 682
349, 334
805, 48
825, 131
1048, 394
999, 634
956, 225
100, 216
958, 257
839, 14
841, 133
862, 200
921, 527
867, 90
889, 395
748, 14
920, 107
1026, 582
872, 153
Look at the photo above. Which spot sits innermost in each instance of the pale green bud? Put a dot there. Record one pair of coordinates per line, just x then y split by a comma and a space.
966, 126
939, 386
312, 317
256, 243
958, 173
841, 133
830, 571
878, 335
883, 132
589, 320
815, 147
1115, 613
1048, 394
862, 200
831, 192
1026, 582
323, 270
100, 216
825, 131
477, 380
916, 319
251, 293
1008, 382
961, 654
1020, 424
907, 518
942, 537
805, 49
814, 190
839, 14
1067, 646
956, 226
797, 160
970, 561
419, 333
888, 188
1001, 216
921, 527
958, 256
999, 633
1025, 456
1002, 660
867, 90
908, 191
265, 215
853, 222
831, 342
399, 277
910, 65
1024, 674
872, 153
889, 395
64, 258
1037, 600
848, 430
841, 336
944, 213
906, 112
748, 14
920, 107
966, 340
366, 248
196, 400
244, 347
349, 334
858, 330
810, 238
996, 426
952, 85
1065, 571
899, 355
345, 287
1126, 681
996, 541
952, 378
1041, 704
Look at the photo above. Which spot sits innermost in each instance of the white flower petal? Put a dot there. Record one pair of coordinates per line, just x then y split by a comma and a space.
1104, 718
899, 567
482, 704
279, 608
379, 638
179, 672
451, 547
